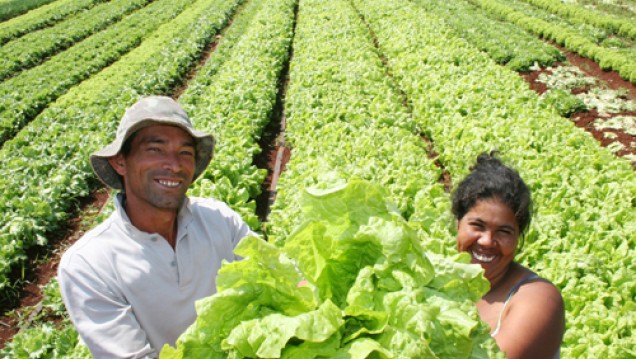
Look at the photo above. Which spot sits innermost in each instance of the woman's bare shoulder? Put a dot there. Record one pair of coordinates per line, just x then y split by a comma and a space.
534, 324
537, 298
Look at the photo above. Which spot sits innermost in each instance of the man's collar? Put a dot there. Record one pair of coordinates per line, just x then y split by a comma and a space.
120, 206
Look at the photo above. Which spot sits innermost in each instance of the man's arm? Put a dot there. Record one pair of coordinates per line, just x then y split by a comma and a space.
105, 322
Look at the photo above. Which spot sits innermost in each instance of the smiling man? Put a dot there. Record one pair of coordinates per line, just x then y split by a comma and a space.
130, 284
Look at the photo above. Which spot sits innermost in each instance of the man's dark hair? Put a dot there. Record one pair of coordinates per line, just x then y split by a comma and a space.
127, 145
490, 178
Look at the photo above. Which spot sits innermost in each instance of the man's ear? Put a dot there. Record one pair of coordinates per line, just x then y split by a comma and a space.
118, 163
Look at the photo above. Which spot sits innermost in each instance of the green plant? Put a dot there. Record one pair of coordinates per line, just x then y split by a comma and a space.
564, 102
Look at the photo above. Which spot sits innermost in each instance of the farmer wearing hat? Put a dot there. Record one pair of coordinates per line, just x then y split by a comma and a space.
130, 284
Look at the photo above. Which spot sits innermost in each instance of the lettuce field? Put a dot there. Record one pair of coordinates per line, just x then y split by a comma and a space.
376, 108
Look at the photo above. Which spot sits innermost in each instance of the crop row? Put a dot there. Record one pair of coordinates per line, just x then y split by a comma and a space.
585, 221
608, 58
55, 145
345, 118
23, 96
504, 42
577, 14
234, 96
35, 47
11, 8
42, 17
591, 32
616, 8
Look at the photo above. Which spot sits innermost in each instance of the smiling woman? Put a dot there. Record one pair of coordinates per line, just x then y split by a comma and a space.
493, 209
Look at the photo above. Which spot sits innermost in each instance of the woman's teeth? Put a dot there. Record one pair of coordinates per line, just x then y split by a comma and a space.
483, 257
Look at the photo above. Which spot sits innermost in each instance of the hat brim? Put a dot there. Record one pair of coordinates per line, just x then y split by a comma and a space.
204, 143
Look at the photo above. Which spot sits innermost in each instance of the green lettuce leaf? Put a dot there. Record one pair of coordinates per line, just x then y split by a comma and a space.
351, 281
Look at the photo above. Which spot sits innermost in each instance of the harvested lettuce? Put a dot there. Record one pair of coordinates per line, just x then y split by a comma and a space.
370, 290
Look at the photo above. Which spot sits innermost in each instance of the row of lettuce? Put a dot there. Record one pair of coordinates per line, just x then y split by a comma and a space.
27, 93
506, 43
35, 47
624, 26
11, 8
598, 44
349, 115
43, 16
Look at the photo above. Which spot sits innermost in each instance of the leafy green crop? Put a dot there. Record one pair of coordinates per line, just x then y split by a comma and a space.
371, 290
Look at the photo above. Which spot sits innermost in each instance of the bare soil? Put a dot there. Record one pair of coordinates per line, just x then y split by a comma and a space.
585, 120
42, 270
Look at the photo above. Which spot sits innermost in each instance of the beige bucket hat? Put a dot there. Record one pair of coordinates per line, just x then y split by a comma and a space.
151, 110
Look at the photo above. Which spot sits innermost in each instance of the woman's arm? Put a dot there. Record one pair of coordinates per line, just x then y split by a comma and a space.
533, 324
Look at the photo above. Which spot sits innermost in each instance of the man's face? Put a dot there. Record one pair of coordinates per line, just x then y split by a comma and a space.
159, 168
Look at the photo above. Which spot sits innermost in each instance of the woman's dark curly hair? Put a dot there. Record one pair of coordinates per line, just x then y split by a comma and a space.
490, 178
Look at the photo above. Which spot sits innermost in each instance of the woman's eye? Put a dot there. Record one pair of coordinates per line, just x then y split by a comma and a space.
477, 225
508, 232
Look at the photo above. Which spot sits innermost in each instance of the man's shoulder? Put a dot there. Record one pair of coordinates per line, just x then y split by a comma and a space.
201, 204
216, 214
92, 244
206, 201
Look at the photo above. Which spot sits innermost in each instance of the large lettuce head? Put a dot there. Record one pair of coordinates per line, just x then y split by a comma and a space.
351, 281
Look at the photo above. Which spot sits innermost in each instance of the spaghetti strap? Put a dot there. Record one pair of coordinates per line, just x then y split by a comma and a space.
510, 294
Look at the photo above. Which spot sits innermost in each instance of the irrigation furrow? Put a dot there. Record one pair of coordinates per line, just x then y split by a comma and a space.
234, 99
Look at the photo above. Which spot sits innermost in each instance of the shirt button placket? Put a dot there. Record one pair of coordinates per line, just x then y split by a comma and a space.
174, 266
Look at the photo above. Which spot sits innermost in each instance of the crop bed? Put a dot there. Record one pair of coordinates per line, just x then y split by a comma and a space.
305, 94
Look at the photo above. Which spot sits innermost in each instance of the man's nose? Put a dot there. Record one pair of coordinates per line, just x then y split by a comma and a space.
172, 162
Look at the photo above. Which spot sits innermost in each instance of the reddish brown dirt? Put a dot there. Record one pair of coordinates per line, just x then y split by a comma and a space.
205, 56
585, 120
275, 153
44, 270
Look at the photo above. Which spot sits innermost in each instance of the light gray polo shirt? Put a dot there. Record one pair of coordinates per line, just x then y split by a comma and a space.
129, 293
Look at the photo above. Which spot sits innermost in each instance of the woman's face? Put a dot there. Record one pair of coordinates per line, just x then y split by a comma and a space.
490, 233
